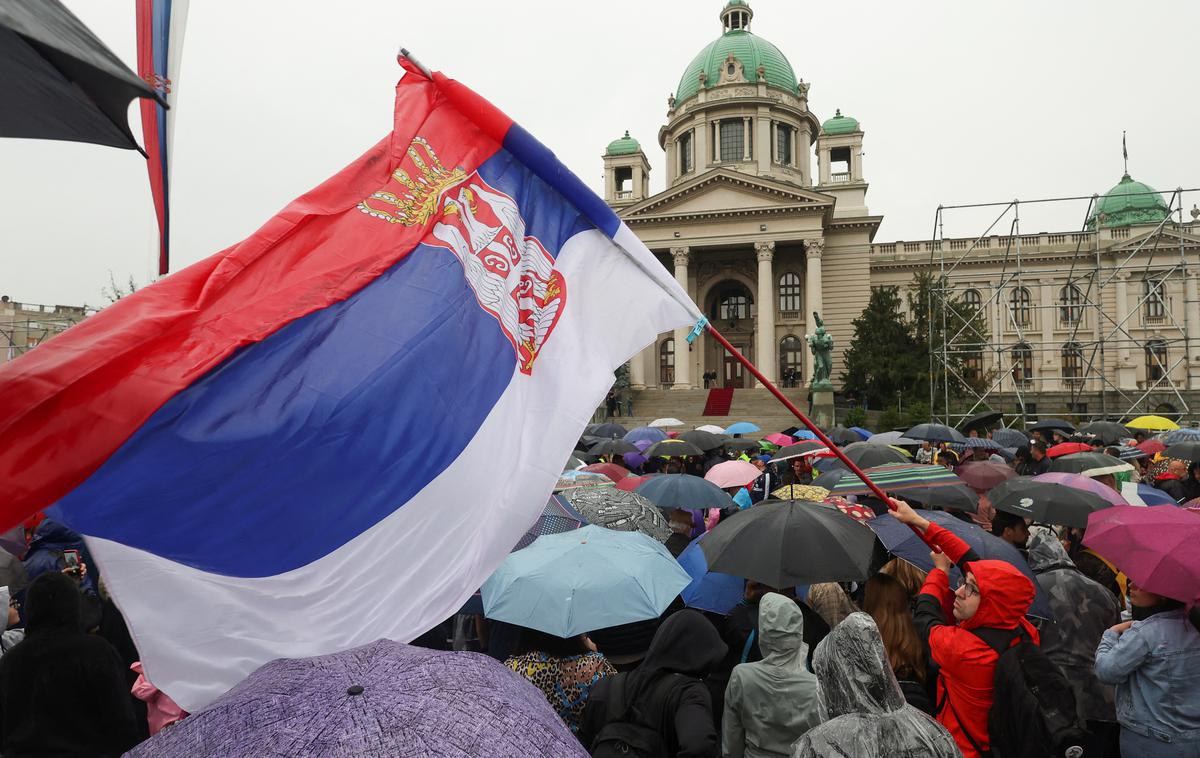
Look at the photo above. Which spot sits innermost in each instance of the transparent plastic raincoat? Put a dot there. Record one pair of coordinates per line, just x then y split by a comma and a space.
868, 715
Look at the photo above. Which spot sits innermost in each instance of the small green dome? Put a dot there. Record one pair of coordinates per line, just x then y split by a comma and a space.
750, 50
840, 124
1127, 204
624, 146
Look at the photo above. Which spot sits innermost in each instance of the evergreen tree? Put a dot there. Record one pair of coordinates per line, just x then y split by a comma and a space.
883, 357
940, 318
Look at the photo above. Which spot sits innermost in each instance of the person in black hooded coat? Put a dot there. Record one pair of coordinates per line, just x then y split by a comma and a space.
62, 691
687, 646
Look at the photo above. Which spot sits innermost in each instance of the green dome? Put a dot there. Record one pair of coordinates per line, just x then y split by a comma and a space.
623, 146
1127, 204
752, 51
840, 124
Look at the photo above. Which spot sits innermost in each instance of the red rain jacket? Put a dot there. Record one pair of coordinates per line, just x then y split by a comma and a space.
967, 664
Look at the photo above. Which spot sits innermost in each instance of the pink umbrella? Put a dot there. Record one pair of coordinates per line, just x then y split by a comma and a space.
611, 470
981, 476
776, 438
1155, 547
732, 474
1080, 482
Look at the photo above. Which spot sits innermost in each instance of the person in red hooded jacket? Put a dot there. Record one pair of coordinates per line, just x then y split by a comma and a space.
992, 599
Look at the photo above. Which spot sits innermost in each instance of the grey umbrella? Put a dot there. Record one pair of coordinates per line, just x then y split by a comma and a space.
381, 699
617, 509
934, 433
704, 440
1010, 437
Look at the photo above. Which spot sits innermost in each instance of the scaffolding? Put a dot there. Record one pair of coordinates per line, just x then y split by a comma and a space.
31, 325
1088, 284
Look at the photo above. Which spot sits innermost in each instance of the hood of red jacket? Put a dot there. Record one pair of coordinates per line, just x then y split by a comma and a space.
1005, 595
1162, 477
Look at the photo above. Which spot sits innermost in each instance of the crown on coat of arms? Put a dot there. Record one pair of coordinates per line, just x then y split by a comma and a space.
417, 202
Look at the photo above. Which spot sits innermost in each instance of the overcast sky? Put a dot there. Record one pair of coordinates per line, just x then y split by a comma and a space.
960, 102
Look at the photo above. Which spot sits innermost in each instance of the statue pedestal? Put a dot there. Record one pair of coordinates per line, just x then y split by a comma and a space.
822, 407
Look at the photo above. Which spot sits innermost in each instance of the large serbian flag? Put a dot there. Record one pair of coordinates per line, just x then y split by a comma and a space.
333, 431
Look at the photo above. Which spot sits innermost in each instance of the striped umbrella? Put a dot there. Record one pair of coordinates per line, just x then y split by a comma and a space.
1179, 435
558, 516
898, 477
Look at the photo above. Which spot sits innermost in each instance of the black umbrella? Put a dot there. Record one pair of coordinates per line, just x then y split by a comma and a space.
980, 421
670, 448
957, 497
867, 454
843, 436
934, 433
803, 447
1010, 437
742, 445
704, 440
785, 543
1052, 424
1185, 451
609, 431
59, 81
683, 491
612, 447
1108, 432
1046, 502
1089, 464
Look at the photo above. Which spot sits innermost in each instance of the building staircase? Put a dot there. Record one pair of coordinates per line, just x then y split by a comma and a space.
719, 402
755, 405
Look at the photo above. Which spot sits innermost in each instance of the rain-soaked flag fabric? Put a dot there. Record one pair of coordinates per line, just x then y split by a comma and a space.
333, 431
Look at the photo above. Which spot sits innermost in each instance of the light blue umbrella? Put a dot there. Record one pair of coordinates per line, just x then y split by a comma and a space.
590, 578
708, 590
742, 427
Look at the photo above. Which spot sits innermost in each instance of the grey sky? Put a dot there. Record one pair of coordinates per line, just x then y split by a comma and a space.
960, 102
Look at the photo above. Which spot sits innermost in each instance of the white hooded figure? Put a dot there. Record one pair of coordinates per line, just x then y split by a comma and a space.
868, 715
769, 704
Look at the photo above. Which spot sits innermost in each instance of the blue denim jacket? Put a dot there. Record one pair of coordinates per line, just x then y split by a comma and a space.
1156, 668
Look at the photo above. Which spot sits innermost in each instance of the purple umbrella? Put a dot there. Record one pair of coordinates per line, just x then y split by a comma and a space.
384, 698
1080, 482
652, 433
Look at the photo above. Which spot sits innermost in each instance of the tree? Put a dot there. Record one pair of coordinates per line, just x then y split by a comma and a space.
114, 292
941, 319
883, 358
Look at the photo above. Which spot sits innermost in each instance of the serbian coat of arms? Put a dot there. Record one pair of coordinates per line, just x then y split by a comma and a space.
511, 273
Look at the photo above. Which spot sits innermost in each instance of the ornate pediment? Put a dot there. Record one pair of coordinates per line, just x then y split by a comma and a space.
1159, 241
727, 193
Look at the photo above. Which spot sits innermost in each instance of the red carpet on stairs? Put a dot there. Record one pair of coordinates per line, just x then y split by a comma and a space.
719, 400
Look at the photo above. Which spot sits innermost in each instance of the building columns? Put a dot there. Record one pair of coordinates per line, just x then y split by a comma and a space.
1126, 373
1050, 357
813, 301
746, 126
683, 357
637, 371
1191, 305
765, 322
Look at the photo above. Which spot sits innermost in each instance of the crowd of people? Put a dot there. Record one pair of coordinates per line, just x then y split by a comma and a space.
905, 663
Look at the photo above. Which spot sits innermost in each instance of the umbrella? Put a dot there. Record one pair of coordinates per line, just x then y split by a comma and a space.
1153, 424
957, 497
740, 445
830, 478
709, 590
742, 427
1151, 446
633, 460
782, 544
840, 435
60, 81
868, 454
1179, 435
611, 470
1108, 432
805, 447
809, 492
631, 483
782, 440
706, 441
573, 463
611, 431
383, 698
1067, 448
581, 480
1060, 499
672, 448
685, 492
981, 476
665, 422
1144, 494
1188, 451
980, 421
591, 578
1089, 464
711, 429
980, 443
619, 510
934, 433
1155, 547
612, 447
801, 434
891, 438
1052, 424
732, 474
857, 511
558, 516
1010, 437
930, 485
903, 543
641, 445
863, 434
645, 433
1131, 454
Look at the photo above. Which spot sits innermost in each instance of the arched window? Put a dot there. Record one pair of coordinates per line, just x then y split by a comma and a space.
1070, 304
1021, 305
791, 360
666, 361
1022, 363
1072, 362
1156, 360
972, 300
789, 293
732, 302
